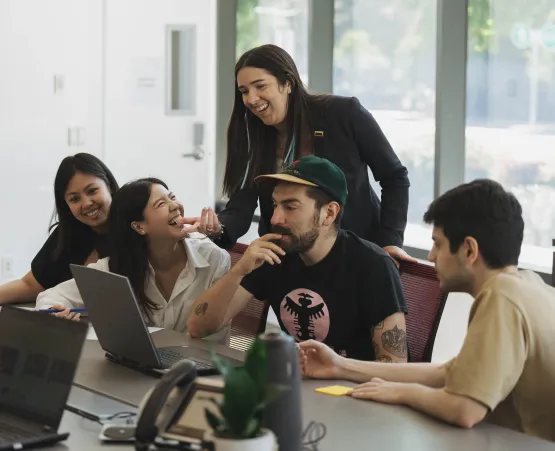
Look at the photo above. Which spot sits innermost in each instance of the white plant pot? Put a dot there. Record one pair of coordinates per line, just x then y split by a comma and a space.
264, 442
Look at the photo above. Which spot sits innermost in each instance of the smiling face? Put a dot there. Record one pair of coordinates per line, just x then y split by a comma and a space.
161, 213
89, 199
263, 94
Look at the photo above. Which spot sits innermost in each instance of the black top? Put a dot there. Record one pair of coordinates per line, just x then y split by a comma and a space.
50, 271
353, 140
338, 300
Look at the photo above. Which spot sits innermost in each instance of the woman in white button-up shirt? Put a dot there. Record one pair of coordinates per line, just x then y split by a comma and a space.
167, 266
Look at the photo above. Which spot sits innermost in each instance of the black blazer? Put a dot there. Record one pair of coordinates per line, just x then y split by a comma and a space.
345, 133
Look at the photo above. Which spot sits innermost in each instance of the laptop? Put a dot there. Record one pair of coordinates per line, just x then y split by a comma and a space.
38, 359
121, 330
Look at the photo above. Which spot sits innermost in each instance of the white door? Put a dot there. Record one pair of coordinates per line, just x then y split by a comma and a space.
160, 86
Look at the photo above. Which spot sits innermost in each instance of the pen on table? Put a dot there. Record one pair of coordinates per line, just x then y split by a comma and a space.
73, 310
82, 413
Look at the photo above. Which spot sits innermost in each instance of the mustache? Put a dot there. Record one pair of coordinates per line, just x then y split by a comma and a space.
280, 230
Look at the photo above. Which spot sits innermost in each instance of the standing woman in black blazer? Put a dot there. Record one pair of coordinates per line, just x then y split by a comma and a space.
276, 121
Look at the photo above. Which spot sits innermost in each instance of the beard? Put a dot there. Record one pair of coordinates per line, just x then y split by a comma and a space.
298, 244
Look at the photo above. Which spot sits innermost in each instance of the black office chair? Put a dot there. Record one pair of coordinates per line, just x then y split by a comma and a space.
251, 321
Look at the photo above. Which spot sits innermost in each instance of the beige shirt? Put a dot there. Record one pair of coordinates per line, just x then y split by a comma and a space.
507, 361
206, 263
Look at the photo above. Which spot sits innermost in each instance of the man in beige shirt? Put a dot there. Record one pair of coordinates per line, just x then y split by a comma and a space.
505, 371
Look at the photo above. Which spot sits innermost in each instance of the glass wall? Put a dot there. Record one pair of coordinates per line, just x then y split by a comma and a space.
510, 131
281, 22
384, 54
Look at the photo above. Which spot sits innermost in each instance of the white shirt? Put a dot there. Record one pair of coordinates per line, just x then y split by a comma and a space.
206, 263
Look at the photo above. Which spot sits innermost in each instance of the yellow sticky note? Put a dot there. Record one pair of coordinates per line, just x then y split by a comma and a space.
335, 390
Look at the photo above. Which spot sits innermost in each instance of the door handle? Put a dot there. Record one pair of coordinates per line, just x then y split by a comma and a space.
197, 154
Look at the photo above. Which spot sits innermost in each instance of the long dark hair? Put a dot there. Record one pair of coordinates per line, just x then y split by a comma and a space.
129, 249
251, 145
70, 229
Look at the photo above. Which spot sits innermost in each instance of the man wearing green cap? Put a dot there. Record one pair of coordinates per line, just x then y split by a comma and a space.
323, 283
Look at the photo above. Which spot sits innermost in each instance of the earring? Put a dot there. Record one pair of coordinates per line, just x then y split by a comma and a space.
289, 91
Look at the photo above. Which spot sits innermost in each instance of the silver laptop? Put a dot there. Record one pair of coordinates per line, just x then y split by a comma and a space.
38, 359
121, 330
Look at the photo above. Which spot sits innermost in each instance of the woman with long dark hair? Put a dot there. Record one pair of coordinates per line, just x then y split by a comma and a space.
83, 189
167, 268
276, 121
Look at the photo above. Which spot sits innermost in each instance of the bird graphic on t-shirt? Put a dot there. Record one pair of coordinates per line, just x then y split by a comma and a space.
304, 315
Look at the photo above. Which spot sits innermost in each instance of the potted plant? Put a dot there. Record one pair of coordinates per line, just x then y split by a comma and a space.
237, 421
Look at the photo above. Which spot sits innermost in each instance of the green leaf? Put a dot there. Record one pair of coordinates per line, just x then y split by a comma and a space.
240, 400
216, 423
216, 402
272, 393
256, 364
253, 428
222, 366
259, 413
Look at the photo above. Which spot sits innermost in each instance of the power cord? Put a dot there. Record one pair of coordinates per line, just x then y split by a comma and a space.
312, 435
101, 419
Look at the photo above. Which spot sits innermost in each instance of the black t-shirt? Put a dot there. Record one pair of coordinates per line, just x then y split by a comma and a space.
50, 271
338, 300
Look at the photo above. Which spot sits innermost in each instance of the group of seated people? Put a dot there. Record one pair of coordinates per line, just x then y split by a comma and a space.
338, 295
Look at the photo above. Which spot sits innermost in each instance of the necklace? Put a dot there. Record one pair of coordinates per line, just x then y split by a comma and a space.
282, 156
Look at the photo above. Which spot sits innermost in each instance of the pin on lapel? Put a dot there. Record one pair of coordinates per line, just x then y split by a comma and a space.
318, 133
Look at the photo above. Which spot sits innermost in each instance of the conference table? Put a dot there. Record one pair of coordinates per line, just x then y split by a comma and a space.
101, 386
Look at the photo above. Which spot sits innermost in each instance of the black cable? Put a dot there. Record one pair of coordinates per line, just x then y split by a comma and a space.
87, 415
120, 416
99, 419
312, 435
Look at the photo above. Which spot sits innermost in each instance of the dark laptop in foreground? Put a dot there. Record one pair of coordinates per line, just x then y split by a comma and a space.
38, 358
121, 330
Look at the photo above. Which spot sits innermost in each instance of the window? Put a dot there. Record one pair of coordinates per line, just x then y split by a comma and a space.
280, 22
510, 130
180, 69
384, 54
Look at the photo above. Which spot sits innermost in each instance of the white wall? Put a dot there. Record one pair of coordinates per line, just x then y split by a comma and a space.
39, 39
43, 38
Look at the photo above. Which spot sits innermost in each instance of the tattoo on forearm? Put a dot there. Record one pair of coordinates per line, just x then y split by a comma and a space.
394, 341
384, 358
377, 356
200, 310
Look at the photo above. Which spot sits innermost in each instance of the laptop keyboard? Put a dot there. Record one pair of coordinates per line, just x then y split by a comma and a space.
169, 357
10, 433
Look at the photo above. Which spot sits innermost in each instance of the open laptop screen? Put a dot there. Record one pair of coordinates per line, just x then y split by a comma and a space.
38, 359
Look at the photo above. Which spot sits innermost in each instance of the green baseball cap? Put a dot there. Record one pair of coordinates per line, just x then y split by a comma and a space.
314, 171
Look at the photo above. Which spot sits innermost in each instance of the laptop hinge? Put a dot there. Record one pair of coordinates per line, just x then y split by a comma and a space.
123, 360
133, 365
